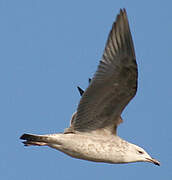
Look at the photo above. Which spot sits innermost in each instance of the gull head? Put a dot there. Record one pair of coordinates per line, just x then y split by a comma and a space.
138, 154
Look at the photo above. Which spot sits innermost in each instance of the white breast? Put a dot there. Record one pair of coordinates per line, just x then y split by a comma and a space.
92, 148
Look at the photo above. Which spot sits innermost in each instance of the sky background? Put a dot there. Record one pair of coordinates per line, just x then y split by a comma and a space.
47, 48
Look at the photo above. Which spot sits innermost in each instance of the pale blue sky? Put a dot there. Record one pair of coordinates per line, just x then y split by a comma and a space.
47, 48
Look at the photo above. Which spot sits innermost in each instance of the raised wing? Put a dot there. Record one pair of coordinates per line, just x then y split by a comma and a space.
114, 83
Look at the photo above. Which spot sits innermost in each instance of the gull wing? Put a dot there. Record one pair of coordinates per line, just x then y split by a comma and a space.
113, 85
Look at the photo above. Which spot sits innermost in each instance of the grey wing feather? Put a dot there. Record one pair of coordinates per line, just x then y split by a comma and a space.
114, 83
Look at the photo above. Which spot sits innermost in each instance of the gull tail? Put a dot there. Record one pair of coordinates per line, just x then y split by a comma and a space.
35, 140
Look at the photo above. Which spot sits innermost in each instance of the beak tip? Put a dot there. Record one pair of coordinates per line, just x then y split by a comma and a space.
156, 162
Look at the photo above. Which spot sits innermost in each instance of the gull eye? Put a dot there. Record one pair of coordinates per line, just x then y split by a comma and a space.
140, 152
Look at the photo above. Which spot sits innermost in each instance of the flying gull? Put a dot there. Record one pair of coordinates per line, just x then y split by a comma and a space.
92, 134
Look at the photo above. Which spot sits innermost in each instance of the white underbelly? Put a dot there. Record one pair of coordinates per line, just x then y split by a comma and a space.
87, 147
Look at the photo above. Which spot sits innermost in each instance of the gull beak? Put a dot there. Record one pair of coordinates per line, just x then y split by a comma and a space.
156, 162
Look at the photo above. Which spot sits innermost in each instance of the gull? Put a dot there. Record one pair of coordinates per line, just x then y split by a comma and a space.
92, 134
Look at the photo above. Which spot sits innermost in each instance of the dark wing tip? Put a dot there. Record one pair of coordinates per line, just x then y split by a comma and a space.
89, 80
120, 39
123, 10
81, 91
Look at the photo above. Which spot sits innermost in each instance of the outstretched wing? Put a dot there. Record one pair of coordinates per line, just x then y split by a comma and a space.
114, 83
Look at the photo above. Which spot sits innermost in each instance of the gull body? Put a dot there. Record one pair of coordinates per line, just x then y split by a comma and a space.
92, 134
97, 148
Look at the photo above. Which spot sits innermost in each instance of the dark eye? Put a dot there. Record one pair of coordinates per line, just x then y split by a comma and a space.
140, 152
